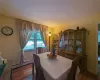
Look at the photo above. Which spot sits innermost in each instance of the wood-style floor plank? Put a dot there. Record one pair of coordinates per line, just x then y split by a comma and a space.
24, 72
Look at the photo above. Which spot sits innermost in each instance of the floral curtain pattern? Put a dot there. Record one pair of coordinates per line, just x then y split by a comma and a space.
25, 31
43, 31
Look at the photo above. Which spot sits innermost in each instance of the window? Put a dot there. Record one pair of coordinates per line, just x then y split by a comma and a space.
98, 36
39, 42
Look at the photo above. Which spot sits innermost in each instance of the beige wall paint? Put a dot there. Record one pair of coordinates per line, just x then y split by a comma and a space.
9, 45
91, 40
52, 31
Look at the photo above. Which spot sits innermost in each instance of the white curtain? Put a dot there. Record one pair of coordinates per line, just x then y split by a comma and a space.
25, 31
43, 31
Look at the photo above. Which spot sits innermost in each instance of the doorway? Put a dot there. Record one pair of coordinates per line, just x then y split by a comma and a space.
99, 48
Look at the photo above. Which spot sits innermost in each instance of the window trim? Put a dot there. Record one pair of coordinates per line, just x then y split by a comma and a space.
29, 50
33, 41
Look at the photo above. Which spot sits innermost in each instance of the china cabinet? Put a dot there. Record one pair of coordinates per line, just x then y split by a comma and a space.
72, 43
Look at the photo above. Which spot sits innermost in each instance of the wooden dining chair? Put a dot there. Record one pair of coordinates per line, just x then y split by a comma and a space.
39, 72
39, 50
73, 69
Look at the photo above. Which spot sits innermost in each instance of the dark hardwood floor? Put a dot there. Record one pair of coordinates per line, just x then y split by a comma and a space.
25, 73
22, 72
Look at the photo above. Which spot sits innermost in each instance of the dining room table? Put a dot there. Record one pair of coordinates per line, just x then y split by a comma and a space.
55, 68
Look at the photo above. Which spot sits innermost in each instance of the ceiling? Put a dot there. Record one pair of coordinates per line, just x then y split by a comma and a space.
53, 13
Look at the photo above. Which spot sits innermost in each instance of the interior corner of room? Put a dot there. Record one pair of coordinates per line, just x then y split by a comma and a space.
58, 16
12, 52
